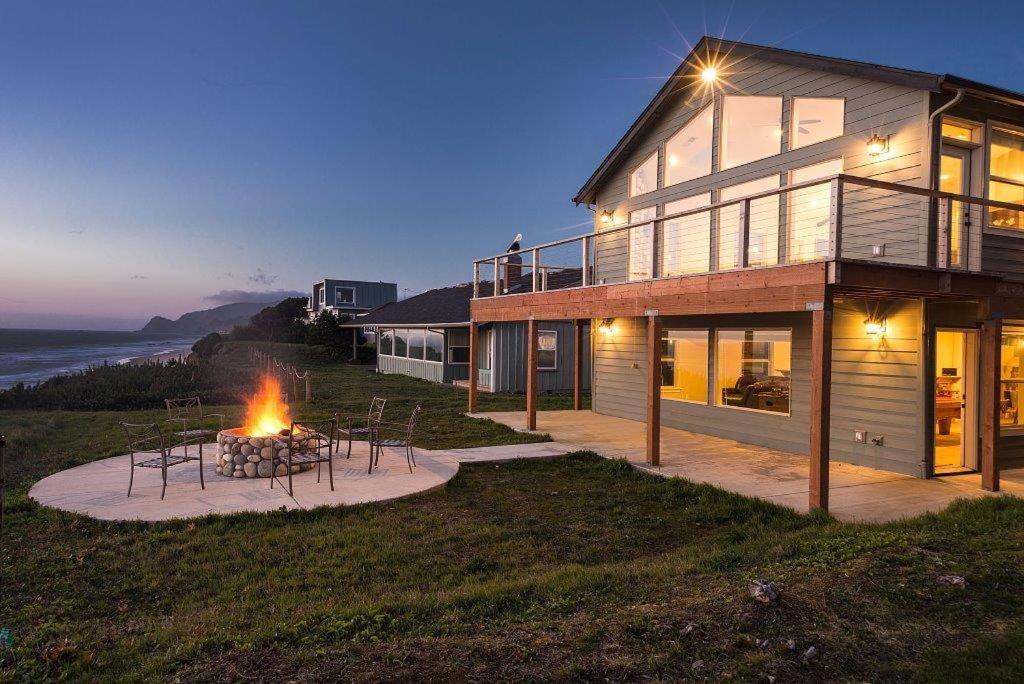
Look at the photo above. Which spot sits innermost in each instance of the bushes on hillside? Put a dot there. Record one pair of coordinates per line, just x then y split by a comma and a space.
283, 322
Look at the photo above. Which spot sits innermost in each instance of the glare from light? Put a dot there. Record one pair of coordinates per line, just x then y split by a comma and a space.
709, 75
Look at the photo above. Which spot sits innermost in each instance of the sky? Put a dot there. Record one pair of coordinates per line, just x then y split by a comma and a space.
157, 158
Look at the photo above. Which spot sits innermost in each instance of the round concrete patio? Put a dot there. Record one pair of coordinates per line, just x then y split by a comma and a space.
98, 489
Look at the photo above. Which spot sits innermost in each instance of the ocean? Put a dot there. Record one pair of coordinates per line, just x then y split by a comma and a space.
32, 355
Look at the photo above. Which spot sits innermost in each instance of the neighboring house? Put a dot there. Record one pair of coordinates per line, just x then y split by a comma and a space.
427, 336
351, 297
811, 254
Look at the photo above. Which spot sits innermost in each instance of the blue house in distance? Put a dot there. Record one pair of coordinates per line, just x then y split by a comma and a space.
352, 297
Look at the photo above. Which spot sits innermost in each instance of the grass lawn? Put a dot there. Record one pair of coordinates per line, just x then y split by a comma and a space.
577, 567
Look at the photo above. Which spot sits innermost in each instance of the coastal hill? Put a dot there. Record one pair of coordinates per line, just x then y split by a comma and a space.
218, 319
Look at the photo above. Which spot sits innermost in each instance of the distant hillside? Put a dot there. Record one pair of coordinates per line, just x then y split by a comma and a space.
218, 319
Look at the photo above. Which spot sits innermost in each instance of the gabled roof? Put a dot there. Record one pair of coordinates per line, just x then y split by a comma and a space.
683, 77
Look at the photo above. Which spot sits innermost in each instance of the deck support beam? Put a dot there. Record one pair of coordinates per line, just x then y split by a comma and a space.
820, 409
531, 374
473, 365
577, 365
991, 341
653, 390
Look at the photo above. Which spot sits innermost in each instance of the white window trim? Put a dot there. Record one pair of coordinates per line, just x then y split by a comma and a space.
714, 383
990, 128
629, 178
721, 133
322, 297
344, 287
711, 163
555, 366
708, 385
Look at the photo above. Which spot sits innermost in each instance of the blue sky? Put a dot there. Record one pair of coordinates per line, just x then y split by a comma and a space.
155, 156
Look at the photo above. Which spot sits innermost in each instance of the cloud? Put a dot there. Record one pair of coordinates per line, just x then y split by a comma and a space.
77, 231
139, 277
267, 297
261, 278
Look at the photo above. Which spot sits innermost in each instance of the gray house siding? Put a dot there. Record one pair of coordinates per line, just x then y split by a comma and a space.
888, 110
368, 295
875, 387
434, 371
508, 369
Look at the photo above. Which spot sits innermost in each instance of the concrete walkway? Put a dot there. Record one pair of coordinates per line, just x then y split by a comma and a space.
98, 489
856, 493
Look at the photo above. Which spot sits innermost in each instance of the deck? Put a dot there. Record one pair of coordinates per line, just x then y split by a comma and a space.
857, 493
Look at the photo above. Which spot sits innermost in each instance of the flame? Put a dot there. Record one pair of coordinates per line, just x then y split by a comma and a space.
266, 413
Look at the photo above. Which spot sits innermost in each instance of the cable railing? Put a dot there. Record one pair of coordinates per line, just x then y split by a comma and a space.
829, 218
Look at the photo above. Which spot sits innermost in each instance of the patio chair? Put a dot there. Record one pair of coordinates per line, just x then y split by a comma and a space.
306, 443
147, 439
357, 426
188, 412
394, 435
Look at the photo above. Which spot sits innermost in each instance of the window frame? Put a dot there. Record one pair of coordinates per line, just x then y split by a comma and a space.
540, 332
793, 122
390, 334
722, 129
714, 380
322, 296
709, 363
653, 223
990, 129
718, 222
426, 347
344, 287
656, 153
790, 204
665, 183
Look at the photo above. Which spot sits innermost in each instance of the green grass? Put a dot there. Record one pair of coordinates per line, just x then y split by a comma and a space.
571, 568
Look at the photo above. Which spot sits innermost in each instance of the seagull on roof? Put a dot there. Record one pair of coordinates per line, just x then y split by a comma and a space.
514, 247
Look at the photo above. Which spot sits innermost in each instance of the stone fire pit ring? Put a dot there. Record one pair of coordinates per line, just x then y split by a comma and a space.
242, 455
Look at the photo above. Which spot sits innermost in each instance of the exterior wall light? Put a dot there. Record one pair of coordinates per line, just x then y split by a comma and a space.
606, 326
875, 327
878, 145
709, 75
607, 217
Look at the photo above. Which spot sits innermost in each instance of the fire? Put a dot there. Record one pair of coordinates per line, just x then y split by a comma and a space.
265, 412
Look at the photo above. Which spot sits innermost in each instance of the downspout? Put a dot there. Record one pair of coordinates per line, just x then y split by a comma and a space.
933, 176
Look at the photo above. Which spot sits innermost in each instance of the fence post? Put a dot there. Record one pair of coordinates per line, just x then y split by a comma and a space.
535, 254
476, 280
945, 220
586, 261
743, 256
309, 388
497, 277
835, 219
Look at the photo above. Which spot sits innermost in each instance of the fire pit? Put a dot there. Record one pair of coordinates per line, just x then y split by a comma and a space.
252, 450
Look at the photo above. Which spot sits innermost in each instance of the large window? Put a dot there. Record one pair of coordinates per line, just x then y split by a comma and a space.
1006, 177
764, 225
547, 349
458, 345
1011, 390
815, 119
385, 342
434, 344
415, 344
641, 244
686, 241
645, 177
752, 369
401, 343
809, 211
344, 295
751, 129
688, 152
684, 365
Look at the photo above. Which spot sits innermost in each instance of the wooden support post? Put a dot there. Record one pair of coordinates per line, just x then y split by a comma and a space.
577, 365
991, 341
531, 374
820, 397
355, 344
474, 372
653, 390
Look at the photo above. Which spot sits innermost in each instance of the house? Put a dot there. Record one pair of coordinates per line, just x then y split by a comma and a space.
352, 297
427, 336
811, 254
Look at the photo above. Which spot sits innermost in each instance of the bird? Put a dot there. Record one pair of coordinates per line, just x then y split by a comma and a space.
514, 247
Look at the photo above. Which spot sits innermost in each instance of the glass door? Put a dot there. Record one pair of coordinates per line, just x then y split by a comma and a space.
955, 406
955, 177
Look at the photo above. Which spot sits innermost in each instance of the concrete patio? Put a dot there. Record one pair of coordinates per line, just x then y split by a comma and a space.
98, 489
856, 493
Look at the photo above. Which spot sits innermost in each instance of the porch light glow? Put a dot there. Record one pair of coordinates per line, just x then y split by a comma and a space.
874, 327
606, 326
878, 145
607, 217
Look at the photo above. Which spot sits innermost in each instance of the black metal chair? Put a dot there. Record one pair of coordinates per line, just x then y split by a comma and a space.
306, 444
147, 438
188, 412
394, 435
357, 426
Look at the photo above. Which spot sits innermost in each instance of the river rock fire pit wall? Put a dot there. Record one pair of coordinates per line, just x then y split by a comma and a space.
239, 455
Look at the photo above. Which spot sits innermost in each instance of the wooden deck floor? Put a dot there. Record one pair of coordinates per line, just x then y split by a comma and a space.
856, 493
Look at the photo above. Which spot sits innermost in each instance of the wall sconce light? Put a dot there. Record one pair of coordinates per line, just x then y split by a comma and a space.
709, 75
878, 145
605, 326
875, 327
607, 217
